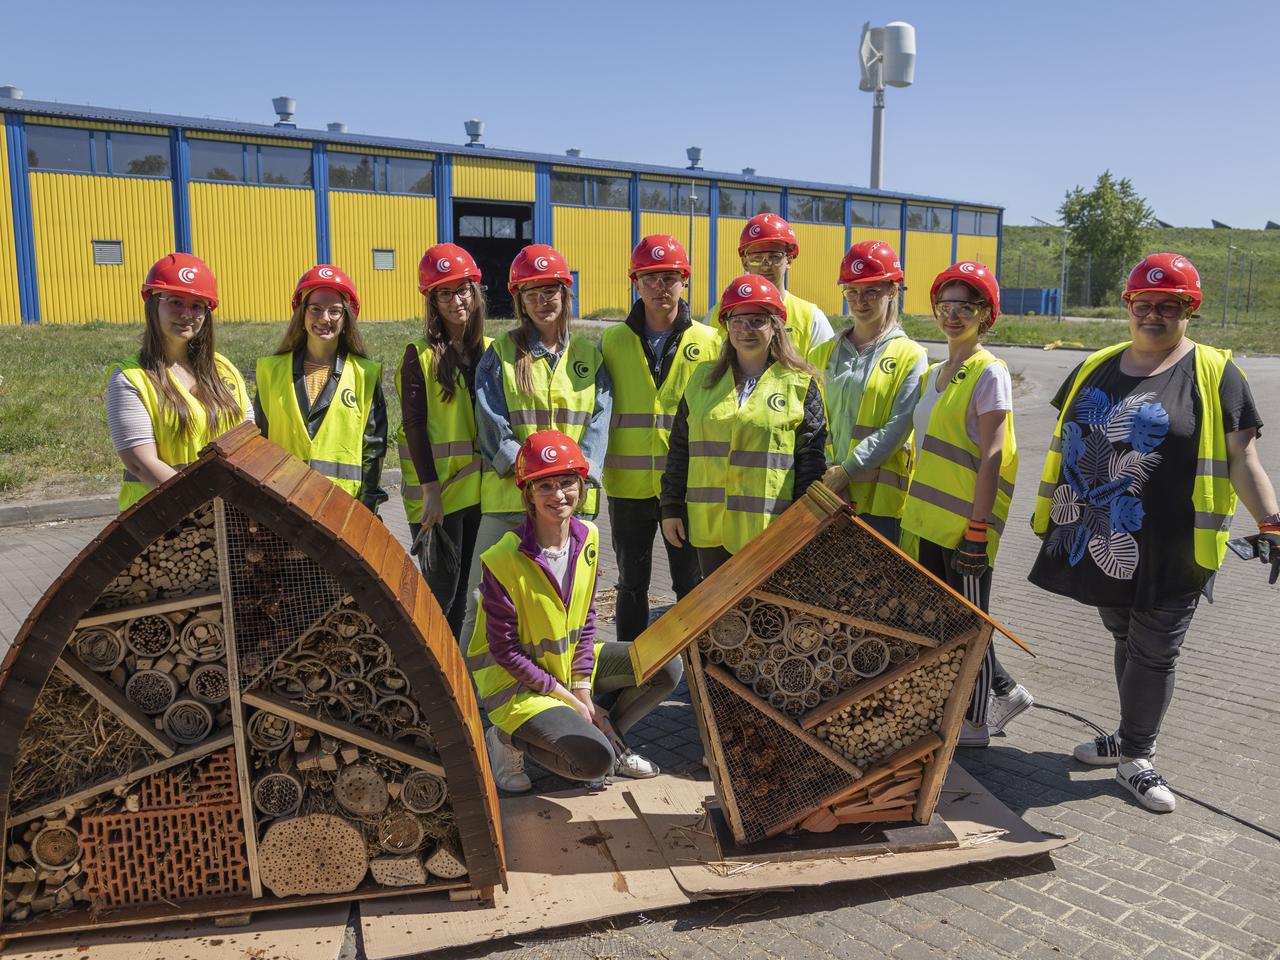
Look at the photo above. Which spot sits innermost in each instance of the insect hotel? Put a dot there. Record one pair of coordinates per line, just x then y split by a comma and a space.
829, 674
240, 696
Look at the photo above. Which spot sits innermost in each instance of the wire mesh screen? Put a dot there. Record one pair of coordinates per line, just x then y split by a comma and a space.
847, 569
277, 594
775, 775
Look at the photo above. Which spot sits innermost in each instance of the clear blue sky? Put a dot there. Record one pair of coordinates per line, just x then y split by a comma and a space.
1014, 102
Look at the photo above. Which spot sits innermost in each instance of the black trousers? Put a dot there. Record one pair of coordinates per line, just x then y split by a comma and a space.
450, 586
632, 527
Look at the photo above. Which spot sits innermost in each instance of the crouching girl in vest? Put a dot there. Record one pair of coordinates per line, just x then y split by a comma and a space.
749, 434
319, 395
175, 394
534, 656
966, 463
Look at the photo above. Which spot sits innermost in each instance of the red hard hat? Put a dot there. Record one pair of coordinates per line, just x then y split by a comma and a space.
659, 252
976, 275
870, 261
1167, 273
446, 263
182, 273
768, 228
326, 276
751, 288
538, 262
548, 453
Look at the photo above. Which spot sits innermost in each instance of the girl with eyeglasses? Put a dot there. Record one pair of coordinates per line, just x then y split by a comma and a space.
870, 385
439, 455
538, 376
176, 393
319, 395
1155, 440
534, 656
966, 464
749, 433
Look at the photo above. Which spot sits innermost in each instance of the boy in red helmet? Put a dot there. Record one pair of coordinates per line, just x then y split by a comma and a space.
767, 247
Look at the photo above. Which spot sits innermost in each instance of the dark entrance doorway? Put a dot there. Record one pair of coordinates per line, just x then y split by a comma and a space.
493, 233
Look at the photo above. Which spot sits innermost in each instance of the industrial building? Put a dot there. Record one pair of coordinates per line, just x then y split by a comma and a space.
90, 197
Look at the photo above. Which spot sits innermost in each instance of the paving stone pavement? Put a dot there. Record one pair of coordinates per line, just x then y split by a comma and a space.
1200, 882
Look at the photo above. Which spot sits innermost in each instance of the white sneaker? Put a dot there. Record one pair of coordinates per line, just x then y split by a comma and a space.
631, 764
1150, 789
1103, 751
973, 735
1000, 710
506, 760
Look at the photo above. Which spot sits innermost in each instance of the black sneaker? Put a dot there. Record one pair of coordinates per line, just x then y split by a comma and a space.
1101, 751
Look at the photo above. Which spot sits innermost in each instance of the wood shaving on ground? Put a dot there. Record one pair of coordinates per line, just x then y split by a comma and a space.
987, 836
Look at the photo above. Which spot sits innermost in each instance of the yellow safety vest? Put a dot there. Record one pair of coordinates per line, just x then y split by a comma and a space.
882, 490
337, 449
799, 322
640, 428
548, 631
1213, 498
174, 447
563, 399
741, 459
940, 498
451, 430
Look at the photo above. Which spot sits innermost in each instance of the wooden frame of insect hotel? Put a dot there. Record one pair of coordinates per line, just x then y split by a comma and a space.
829, 673
240, 696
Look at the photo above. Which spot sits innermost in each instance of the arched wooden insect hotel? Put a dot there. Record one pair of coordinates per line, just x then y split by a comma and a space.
241, 695
829, 673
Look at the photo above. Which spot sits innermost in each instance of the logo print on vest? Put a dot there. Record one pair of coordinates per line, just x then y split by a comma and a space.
589, 554
188, 274
692, 351
888, 365
581, 370
777, 402
349, 398
960, 375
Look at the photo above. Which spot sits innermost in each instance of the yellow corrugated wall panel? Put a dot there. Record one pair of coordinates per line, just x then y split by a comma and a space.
237, 138
728, 263
678, 227
68, 212
380, 151
982, 249
482, 179
9, 304
360, 222
928, 254
597, 244
815, 274
258, 240
892, 237
95, 125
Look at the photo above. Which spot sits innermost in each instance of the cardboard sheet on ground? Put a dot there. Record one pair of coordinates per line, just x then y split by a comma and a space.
312, 932
575, 857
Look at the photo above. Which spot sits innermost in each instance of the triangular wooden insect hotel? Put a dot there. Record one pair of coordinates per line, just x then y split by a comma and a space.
240, 696
829, 674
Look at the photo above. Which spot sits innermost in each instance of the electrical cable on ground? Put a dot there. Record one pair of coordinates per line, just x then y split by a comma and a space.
1213, 808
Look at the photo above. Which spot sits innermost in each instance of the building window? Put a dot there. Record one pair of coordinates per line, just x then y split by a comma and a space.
108, 253
929, 219
373, 172
229, 162
864, 213
104, 152
503, 228
988, 223
889, 216
384, 259
809, 208
667, 196
569, 188
589, 190
743, 202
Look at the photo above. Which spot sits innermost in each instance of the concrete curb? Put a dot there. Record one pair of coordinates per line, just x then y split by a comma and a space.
86, 508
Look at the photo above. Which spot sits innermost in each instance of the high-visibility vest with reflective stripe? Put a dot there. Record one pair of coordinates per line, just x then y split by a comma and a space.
563, 399
799, 322
741, 459
940, 498
879, 490
640, 428
337, 449
172, 446
1213, 498
451, 431
547, 630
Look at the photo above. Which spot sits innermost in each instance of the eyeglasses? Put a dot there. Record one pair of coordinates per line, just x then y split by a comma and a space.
1164, 309
960, 309
752, 321
542, 294
857, 293
196, 307
773, 257
317, 312
665, 281
548, 488
463, 293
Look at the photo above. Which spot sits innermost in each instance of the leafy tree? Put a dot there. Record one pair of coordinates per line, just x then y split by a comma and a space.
152, 164
1110, 224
